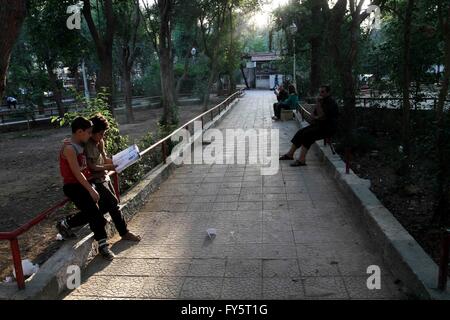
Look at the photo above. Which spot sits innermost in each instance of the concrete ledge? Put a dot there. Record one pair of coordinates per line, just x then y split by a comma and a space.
50, 281
400, 251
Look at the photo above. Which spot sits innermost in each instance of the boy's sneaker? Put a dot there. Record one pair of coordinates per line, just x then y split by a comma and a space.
106, 253
64, 230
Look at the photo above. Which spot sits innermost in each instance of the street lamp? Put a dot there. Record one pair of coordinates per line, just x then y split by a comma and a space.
193, 54
293, 30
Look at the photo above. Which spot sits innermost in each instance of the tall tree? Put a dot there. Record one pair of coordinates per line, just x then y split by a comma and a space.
443, 183
103, 38
128, 33
166, 60
12, 15
55, 47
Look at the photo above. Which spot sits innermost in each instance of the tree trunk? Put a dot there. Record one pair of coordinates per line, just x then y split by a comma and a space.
315, 73
212, 77
315, 42
166, 61
56, 88
443, 191
183, 77
105, 77
12, 15
103, 46
128, 92
406, 79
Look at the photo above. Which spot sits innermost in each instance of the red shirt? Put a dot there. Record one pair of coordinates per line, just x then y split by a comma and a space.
66, 172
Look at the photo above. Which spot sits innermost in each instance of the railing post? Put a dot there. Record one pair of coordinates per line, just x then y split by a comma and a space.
164, 151
443, 261
116, 185
17, 261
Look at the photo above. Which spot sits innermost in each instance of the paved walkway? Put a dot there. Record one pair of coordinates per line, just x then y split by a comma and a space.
288, 236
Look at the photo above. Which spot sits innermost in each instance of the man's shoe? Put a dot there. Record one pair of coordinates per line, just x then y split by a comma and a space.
106, 253
62, 228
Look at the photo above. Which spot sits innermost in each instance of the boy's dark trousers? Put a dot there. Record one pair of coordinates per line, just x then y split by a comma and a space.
93, 214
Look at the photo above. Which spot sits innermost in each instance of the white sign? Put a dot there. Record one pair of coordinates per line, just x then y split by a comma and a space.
126, 158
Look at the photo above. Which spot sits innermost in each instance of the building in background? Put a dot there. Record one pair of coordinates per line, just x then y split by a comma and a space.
261, 70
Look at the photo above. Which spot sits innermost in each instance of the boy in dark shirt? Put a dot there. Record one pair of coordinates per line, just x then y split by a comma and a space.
99, 165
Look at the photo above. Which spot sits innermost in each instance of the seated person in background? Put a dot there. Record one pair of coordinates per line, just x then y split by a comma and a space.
324, 125
287, 104
12, 102
281, 94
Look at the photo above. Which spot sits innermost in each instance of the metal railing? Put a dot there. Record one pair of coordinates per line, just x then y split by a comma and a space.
13, 236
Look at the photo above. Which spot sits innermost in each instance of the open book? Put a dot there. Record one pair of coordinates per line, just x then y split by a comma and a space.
126, 158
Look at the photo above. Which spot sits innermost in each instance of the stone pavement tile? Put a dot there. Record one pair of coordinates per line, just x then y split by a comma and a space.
229, 191
201, 288
274, 190
275, 197
281, 268
316, 261
227, 198
283, 289
210, 249
318, 288
128, 267
224, 206
250, 205
200, 207
231, 185
252, 178
111, 286
278, 251
202, 198
279, 237
251, 197
249, 215
277, 216
232, 180
170, 268
207, 268
245, 251
245, 268
251, 184
357, 289
251, 190
275, 205
242, 288
298, 196
162, 287
300, 205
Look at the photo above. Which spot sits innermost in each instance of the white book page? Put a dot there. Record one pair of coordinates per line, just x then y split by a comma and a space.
126, 158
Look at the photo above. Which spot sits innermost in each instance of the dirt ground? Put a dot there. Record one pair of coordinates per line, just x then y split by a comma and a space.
30, 180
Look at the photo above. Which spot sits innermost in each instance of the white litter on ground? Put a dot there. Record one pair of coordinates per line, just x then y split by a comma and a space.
59, 237
28, 268
8, 280
211, 232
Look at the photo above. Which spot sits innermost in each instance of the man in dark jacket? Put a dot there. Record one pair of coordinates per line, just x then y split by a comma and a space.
324, 125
